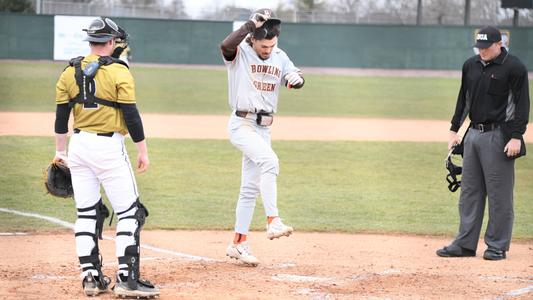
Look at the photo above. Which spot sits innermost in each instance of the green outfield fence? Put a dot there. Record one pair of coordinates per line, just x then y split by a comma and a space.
318, 45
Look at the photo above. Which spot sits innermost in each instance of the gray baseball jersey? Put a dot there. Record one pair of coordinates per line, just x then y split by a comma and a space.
253, 83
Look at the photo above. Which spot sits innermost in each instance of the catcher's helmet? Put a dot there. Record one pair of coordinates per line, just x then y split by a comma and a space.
453, 170
104, 29
270, 28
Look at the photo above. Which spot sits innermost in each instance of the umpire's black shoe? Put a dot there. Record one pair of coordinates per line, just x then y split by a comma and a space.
455, 251
494, 254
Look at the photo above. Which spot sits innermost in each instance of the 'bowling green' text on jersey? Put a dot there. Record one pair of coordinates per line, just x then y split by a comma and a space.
112, 82
253, 83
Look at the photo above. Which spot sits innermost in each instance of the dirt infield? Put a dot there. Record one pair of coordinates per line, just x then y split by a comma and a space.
303, 266
286, 128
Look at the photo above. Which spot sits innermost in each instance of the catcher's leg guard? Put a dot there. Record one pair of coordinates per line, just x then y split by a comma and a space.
129, 227
90, 223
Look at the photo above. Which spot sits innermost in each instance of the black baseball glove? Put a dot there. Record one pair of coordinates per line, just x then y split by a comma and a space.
58, 181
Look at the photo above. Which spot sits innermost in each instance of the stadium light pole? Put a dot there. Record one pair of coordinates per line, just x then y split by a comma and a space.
467, 12
419, 13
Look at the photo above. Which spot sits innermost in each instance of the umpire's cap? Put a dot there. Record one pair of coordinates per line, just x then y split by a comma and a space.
104, 29
487, 36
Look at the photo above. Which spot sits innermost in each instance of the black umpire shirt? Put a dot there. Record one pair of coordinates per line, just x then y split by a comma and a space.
494, 92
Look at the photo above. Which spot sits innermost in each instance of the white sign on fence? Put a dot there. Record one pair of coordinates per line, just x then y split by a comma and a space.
68, 36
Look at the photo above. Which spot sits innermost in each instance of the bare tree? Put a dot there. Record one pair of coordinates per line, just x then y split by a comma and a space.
349, 8
307, 9
487, 12
20, 6
403, 10
177, 9
309, 5
443, 12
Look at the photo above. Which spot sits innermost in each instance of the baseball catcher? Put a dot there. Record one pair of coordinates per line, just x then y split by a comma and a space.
100, 91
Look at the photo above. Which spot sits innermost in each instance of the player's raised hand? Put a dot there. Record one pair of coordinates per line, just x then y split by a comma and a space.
259, 19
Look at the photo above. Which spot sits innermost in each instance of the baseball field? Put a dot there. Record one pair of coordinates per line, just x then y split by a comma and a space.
369, 213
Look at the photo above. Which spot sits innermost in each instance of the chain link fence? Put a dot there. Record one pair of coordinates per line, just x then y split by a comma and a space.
450, 12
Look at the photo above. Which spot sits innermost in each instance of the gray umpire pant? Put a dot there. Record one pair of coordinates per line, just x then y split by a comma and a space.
486, 172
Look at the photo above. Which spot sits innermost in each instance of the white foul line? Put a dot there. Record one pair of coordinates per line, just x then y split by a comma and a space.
71, 226
12, 233
38, 216
520, 291
299, 278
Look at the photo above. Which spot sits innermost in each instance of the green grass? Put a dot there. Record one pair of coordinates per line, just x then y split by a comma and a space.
323, 186
30, 86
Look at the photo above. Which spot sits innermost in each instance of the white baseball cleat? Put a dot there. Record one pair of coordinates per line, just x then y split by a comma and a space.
277, 229
242, 252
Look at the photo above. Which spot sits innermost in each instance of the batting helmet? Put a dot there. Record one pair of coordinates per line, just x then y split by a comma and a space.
104, 29
270, 28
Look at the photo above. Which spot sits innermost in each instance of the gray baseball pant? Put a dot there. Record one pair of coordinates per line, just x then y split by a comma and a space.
487, 172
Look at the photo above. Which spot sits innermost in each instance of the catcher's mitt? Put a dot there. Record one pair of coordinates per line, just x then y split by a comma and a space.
58, 181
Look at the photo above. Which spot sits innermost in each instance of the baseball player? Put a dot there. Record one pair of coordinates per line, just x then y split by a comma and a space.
99, 89
256, 70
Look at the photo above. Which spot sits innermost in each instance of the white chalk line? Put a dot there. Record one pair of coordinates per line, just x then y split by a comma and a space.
513, 293
317, 294
299, 278
52, 277
303, 278
38, 216
278, 277
144, 246
508, 278
519, 292
143, 259
12, 233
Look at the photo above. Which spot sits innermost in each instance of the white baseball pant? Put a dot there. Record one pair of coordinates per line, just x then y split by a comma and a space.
260, 168
95, 160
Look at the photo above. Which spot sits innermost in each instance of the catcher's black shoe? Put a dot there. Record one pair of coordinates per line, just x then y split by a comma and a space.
144, 288
92, 285
455, 251
494, 254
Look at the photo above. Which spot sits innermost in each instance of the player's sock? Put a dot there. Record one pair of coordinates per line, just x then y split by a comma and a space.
269, 219
239, 238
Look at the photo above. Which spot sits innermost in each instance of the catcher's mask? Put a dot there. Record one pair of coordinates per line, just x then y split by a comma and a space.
453, 170
103, 29
270, 29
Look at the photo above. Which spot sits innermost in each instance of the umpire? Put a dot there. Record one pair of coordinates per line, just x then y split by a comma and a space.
494, 94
